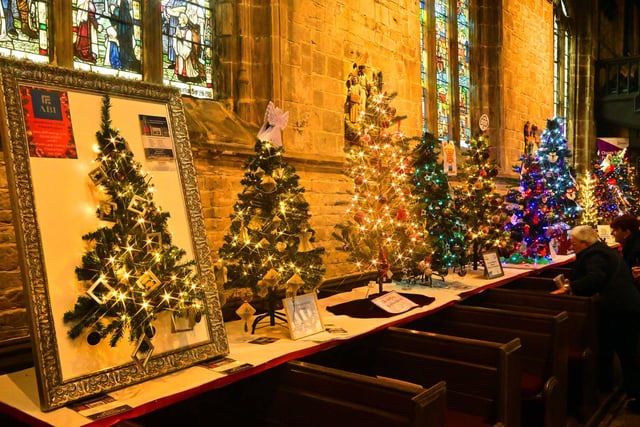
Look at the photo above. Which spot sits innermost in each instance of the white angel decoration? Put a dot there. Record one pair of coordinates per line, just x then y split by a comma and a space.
275, 119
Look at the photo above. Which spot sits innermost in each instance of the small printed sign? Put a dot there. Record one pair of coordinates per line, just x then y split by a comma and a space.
492, 266
394, 303
303, 315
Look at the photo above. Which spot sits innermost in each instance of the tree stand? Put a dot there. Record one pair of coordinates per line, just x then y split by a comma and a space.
272, 314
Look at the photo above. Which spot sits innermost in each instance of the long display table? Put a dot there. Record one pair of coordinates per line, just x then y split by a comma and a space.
19, 394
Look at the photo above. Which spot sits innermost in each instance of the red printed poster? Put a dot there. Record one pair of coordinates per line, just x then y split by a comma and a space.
48, 123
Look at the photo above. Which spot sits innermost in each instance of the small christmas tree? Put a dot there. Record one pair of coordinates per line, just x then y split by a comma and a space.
132, 271
587, 199
383, 233
616, 189
443, 223
552, 155
529, 212
477, 202
269, 247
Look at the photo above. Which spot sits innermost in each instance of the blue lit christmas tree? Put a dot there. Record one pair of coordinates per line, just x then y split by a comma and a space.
553, 154
436, 205
529, 212
616, 191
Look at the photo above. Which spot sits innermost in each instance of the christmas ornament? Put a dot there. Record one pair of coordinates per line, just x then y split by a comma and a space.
243, 235
281, 246
259, 173
359, 180
294, 283
263, 243
275, 120
279, 174
365, 139
255, 223
245, 312
552, 157
305, 241
268, 184
402, 214
276, 221
359, 217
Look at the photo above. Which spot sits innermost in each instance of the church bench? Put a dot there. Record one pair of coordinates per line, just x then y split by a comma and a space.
483, 378
305, 394
554, 271
543, 356
583, 338
532, 283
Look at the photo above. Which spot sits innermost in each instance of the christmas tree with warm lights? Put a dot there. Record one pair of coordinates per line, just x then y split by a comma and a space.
587, 200
553, 154
132, 271
616, 190
529, 211
477, 203
382, 232
434, 202
270, 248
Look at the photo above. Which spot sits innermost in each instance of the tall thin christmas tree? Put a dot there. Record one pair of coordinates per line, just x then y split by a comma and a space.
587, 199
529, 211
269, 248
132, 271
435, 204
477, 202
553, 154
382, 233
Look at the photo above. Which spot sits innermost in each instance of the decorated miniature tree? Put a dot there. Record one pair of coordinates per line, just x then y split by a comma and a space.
435, 204
587, 200
477, 202
269, 248
132, 271
616, 189
527, 205
382, 232
553, 154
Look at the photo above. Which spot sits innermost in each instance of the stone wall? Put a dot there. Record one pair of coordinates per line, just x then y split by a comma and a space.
527, 70
320, 40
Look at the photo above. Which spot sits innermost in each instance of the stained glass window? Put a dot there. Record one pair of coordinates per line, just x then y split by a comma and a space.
442, 67
561, 60
186, 46
423, 62
463, 71
107, 36
24, 29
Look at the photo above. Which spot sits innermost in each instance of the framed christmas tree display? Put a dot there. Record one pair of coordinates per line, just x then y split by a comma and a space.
115, 262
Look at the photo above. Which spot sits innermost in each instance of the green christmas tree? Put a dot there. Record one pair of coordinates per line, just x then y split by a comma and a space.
477, 202
434, 201
616, 190
132, 271
382, 233
269, 247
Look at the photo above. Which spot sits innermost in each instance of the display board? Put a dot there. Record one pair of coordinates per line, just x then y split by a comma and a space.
50, 118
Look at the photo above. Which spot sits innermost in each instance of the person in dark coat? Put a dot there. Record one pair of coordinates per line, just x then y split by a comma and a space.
626, 230
601, 270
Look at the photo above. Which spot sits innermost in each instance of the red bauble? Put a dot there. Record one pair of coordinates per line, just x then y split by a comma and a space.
382, 200
359, 217
359, 180
483, 172
366, 138
526, 229
612, 181
535, 220
402, 214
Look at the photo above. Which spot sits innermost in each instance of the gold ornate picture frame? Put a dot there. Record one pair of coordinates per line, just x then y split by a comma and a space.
64, 370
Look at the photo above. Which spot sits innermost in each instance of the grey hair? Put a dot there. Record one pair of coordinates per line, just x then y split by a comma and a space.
584, 233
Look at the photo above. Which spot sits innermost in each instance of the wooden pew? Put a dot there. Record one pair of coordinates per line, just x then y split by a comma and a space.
483, 378
583, 336
544, 352
299, 394
553, 272
306, 394
532, 283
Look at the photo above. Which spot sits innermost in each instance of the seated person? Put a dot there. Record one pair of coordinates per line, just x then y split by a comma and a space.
626, 230
601, 270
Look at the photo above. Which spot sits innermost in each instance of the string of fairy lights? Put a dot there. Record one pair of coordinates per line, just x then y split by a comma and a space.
132, 270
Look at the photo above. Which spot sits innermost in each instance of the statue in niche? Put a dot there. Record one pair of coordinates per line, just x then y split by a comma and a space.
356, 98
362, 85
530, 138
